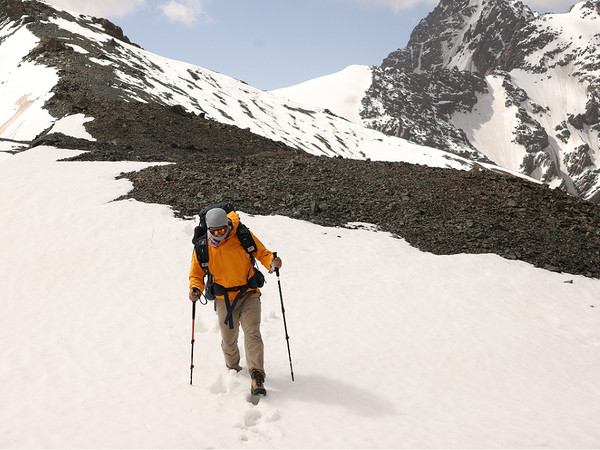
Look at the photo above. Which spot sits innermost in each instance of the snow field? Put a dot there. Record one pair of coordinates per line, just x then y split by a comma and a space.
391, 347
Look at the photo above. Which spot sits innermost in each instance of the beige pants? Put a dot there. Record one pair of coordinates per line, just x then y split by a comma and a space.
247, 314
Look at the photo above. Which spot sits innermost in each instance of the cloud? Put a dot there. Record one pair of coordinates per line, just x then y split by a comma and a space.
394, 5
556, 6
186, 12
105, 8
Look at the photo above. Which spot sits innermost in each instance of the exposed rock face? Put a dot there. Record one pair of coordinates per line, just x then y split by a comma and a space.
24, 12
418, 107
467, 34
27, 11
48, 44
501, 39
113, 30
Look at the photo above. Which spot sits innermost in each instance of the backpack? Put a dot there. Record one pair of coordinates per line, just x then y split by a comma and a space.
200, 242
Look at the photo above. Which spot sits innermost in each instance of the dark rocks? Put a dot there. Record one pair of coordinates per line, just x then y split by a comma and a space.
26, 12
441, 211
580, 159
113, 30
48, 44
562, 132
457, 24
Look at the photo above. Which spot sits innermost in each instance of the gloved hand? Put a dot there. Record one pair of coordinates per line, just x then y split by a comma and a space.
276, 263
194, 294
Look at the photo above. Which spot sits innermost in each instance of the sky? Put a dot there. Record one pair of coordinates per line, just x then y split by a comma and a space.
391, 347
271, 44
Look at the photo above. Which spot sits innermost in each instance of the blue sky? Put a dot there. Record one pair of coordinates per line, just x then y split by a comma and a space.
271, 44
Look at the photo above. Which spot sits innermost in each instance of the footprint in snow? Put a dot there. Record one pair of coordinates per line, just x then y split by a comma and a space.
260, 425
218, 387
225, 383
252, 417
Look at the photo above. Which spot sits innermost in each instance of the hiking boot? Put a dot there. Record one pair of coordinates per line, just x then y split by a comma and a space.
258, 386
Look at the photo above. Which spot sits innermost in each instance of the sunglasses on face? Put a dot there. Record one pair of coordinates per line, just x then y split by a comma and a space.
218, 232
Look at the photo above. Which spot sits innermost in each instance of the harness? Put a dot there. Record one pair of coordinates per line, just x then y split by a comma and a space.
213, 289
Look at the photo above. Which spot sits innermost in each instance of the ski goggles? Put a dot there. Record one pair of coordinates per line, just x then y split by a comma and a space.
218, 232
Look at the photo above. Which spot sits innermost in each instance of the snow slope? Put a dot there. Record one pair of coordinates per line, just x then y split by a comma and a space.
391, 347
490, 131
340, 92
24, 86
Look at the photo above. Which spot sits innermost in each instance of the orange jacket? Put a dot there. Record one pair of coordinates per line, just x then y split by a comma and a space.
229, 263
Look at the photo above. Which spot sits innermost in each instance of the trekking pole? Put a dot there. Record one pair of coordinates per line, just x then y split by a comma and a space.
193, 340
287, 338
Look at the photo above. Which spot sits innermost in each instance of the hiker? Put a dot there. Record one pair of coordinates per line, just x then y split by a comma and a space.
233, 282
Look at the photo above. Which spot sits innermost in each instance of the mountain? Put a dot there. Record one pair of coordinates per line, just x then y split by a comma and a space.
472, 35
519, 88
493, 81
270, 155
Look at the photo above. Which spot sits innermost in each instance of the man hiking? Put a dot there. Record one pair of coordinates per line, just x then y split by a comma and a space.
233, 282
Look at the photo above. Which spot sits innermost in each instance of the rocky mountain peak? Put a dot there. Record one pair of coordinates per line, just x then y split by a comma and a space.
26, 12
532, 78
465, 34
592, 6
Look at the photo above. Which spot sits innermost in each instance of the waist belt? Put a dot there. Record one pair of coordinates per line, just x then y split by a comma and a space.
256, 281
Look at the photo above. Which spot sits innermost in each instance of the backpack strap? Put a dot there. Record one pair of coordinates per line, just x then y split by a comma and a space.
201, 247
246, 239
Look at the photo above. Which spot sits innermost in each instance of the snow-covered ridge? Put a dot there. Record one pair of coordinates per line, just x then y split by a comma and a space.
230, 101
131, 73
341, 93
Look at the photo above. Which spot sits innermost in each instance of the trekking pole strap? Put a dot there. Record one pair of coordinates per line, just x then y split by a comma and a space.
276, 268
